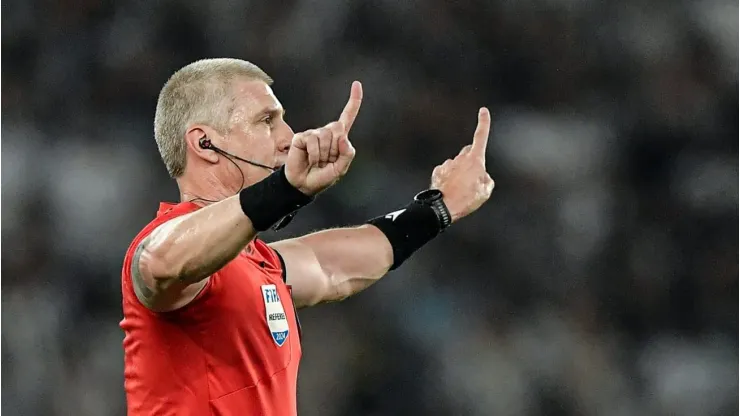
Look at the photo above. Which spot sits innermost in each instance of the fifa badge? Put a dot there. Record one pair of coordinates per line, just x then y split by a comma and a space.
277, 322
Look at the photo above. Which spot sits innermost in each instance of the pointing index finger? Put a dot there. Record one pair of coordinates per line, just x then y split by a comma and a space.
480, 137
353, 106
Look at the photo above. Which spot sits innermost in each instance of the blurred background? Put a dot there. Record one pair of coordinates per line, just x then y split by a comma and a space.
600, 279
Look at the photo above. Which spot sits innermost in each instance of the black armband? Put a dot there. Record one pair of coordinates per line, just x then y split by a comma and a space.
410, 228
272, 201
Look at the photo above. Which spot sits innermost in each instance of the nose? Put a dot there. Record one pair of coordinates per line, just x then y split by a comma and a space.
286, 137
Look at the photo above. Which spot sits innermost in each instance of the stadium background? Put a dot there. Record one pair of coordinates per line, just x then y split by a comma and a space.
601, 278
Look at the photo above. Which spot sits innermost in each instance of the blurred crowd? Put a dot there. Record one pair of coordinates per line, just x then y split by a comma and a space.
600, 279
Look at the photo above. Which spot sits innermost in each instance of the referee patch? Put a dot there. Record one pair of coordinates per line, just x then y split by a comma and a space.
277, 322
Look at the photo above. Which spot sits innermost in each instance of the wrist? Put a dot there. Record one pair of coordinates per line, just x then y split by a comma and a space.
411, 227
272, 200
287, 186
434, 198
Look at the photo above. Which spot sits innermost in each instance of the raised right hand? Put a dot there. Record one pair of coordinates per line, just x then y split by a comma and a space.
318, 158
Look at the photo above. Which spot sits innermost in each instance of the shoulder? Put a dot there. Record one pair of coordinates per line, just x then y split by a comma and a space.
165, 213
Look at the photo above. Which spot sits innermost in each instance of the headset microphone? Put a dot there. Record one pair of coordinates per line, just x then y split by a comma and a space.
205, 143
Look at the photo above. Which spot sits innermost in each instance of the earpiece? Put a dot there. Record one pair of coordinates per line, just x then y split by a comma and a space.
204, 143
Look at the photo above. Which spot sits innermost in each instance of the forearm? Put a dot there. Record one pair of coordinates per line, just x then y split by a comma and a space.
192, 247
334, 264
356, 257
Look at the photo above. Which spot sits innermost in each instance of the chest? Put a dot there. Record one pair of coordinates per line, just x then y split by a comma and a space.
251, 331
254, 296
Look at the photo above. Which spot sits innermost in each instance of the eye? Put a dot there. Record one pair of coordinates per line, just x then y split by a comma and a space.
268, 120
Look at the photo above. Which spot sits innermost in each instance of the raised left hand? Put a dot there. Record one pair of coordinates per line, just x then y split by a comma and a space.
464, 182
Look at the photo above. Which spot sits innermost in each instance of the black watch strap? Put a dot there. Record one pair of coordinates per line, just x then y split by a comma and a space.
445, 218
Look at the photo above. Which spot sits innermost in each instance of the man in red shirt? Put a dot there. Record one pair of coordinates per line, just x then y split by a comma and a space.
209, 309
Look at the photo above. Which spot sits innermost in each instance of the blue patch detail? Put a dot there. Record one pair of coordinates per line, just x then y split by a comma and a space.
280, 337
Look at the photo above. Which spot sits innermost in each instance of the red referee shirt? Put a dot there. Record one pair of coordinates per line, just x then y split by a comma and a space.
234, 350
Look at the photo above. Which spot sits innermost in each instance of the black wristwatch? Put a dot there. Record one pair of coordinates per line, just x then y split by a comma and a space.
433, 198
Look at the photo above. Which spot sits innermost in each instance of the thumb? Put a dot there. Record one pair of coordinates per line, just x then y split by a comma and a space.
346, 155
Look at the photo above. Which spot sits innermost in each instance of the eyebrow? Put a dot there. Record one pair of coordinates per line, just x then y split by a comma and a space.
272, 111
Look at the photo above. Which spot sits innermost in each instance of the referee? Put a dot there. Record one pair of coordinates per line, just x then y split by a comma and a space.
209, 310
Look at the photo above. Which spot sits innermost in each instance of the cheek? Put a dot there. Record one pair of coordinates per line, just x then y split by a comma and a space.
254, 139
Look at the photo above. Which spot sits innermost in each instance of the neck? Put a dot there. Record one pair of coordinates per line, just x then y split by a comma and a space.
203, 192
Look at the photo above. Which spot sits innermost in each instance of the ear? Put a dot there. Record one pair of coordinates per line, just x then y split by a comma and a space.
193, 135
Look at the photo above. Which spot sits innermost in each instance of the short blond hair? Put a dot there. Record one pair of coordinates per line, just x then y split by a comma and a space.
198, 93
